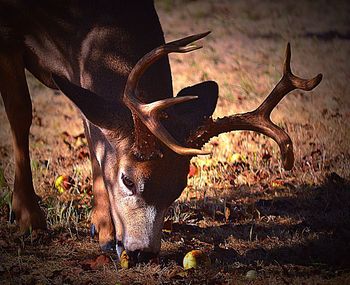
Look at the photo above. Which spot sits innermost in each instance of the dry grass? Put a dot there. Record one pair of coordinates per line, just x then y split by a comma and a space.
241, 207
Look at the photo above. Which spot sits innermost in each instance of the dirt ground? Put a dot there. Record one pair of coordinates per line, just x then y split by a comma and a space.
240, 207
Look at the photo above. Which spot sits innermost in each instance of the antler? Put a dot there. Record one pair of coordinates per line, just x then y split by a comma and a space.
259, 119
149, 113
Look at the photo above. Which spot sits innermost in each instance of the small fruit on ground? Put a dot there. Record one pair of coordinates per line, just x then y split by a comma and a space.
124, 260
251, 275
63, 183
195, 259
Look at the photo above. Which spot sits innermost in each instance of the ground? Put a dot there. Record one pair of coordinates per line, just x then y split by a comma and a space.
240, 207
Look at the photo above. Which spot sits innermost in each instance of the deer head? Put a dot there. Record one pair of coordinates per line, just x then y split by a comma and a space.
145, 157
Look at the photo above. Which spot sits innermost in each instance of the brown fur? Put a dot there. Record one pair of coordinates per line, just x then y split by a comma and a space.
90, 50
18, 107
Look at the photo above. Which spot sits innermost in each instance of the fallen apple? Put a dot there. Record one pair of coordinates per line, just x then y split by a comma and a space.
124, 260
63, 183
251, 275
195, 259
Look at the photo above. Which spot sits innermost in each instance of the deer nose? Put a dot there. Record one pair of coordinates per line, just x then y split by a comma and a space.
139, 256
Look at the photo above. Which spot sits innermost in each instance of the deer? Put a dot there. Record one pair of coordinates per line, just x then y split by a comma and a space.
111, 60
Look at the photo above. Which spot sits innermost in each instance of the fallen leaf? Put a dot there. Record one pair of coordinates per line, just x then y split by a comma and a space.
101, 260
277, 184
168, 226
63, 183
181, 274
227, 213
193, 171
92, 264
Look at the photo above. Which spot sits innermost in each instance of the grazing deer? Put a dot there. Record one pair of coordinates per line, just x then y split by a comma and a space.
109, 58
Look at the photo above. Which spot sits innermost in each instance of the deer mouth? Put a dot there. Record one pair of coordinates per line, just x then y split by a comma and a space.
137, 256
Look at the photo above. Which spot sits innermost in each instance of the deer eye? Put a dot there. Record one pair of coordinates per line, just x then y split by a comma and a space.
128, 183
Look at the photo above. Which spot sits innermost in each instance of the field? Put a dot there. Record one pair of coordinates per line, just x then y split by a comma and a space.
240, 207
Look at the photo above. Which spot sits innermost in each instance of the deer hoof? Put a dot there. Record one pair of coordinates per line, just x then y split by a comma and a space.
12, 217
92, 231
119, 248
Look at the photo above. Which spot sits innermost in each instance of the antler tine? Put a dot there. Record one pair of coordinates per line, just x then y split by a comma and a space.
259, 119
288, 83
249, 122
180, 46
148, 113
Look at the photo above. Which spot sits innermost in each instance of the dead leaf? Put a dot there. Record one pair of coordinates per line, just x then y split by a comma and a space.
182, 274
92, 264
227, 213
168, 226
193, 171
101, 260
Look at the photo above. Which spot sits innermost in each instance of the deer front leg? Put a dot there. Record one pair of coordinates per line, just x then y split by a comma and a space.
101, 221
15, 94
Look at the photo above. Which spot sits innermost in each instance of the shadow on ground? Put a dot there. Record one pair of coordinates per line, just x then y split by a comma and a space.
319, 238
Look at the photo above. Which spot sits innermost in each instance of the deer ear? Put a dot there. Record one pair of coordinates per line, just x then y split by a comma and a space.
97, 110
188, 116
